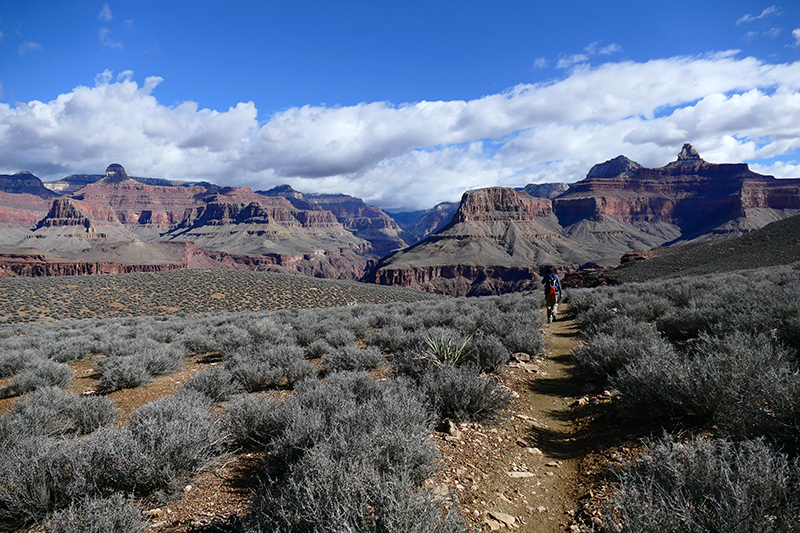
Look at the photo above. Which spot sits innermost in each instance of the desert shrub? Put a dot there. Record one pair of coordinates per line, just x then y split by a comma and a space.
232, 339
197, 340
14, 360
339, 337
217, 383
163, 441
50, 411
259, 368
527, 339
37, 476
353, 358
355, 453
162, 359
707, 487
788, 331
393, 338
318, 349
488, 354
71, 349
717, 381
267, 331
324, 495
117, 373
45, 373
604, 354
254, 420
462, 393
115, 514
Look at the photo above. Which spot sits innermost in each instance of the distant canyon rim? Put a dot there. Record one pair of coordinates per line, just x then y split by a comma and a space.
496, 240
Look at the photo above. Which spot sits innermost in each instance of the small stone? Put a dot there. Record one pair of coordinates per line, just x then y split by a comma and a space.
187, 488
522, 356
542, 509
555, 464
505, 518
152, 513
575, 528
534, 451
529, 367
515, 474
441, 490
494, 525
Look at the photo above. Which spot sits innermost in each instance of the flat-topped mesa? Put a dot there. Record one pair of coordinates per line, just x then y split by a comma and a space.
500, 204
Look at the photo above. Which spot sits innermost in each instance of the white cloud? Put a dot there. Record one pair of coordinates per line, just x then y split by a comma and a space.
766, 12
417, 154
540, 63
29, 46
105, 38
566, 62
105, 13
796, 35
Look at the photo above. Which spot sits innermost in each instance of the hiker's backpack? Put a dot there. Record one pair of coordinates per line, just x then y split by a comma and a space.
552, 285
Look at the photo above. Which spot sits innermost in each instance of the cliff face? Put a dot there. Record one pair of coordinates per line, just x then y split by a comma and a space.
696, 196
420, 224
364, 221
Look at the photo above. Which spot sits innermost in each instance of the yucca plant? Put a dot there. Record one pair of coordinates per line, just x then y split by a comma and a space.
446, 351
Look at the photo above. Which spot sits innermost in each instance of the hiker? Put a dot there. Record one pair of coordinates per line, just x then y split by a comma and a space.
552, 292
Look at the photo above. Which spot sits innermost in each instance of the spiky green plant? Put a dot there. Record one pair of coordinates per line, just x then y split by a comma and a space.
446, 351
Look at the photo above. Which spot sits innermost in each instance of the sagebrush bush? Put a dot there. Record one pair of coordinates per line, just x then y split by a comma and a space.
115, 514
163, 441
462, 393
627, 341
117, 373
39, 475
489, 354
254, 420
353, 358
257, 368
217, 383
45, 373
707, 486
719, 380
52, 412
355, 452
13, 361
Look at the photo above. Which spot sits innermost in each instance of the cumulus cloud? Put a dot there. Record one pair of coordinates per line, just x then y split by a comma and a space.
413, 155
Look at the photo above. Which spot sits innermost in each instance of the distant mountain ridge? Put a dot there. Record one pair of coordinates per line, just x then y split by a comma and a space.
500, 239
494, 240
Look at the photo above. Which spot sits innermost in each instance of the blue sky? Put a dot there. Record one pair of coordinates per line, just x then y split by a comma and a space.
403, 104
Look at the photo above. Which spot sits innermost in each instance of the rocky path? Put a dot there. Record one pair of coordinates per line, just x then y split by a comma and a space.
523, 473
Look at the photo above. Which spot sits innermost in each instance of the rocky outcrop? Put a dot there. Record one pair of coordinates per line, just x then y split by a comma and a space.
24, 183
364, 221
699, 198
420, 224
546, 190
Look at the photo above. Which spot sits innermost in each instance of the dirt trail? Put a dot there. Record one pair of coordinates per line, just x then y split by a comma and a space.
523, 473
